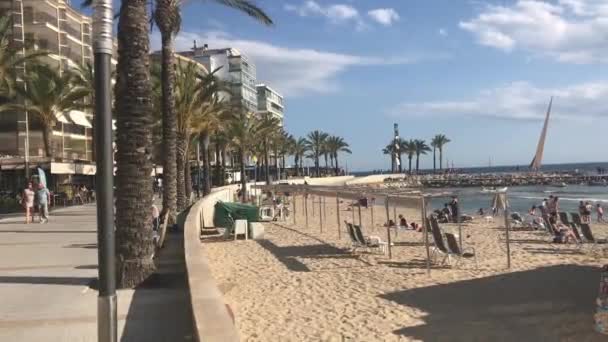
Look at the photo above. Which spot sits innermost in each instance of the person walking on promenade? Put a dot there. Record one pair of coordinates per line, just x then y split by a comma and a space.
43, 197
28, 202
600, 214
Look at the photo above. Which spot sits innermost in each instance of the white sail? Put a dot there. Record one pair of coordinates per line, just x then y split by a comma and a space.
538, 157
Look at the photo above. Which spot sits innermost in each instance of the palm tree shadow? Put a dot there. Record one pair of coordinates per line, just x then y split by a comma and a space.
525, 306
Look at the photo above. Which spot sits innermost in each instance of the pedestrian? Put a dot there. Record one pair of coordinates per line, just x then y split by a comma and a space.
28, 202
43, 197
455, 210
600, 213
588, 209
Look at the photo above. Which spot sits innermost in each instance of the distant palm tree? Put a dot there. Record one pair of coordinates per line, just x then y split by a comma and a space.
441, 140
49, 95
434, 146
421, 148
271, 125
243, 129
408, 147
299, 150
336, 145
314, 143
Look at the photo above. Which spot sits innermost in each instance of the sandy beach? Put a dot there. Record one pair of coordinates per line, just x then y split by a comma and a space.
303, 284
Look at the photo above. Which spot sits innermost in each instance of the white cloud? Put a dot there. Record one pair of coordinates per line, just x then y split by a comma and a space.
384, 16
292, 71
442, 32
571, 31
520, 101
335, 13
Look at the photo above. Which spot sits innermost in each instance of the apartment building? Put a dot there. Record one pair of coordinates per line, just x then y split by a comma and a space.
57, 27
231, 66
270, 102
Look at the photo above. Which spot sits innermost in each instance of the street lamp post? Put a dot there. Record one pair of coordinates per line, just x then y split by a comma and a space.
102, 46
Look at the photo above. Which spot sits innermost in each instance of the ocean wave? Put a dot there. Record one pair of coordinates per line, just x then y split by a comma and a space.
603, 200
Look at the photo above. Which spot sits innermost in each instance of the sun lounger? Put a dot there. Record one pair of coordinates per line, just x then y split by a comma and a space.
440, 246
457, 251
370, 242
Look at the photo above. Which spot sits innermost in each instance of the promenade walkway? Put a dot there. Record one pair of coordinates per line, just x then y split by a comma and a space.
45, 275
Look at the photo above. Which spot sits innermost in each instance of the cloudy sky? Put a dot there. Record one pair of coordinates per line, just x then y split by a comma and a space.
481, 72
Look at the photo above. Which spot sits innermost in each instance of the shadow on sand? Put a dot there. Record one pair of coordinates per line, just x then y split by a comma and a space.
554, 303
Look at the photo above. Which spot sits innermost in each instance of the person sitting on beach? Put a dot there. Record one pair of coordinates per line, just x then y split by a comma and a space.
480, 212
447, 212
532, 210
563, 233
454, 209
543, 208
402, 222
553, 206
600, 214
416, 226
581, 210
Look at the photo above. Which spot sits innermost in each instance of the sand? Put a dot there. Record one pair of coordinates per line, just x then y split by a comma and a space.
303, 284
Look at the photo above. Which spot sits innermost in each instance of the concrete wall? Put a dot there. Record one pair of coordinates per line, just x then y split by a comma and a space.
211, 319
335, 181
373, 179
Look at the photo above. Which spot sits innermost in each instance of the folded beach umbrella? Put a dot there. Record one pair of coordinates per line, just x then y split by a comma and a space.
500, 201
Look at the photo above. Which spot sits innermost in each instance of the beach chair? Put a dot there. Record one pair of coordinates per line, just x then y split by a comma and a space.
564, 218
370, 242
353, 238
240, 228
590, 238
458, 252
440, 247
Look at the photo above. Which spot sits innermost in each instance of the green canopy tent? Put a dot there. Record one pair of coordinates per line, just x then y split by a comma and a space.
227, 213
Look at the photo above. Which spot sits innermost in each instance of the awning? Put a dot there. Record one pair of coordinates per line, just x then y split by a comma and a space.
80, 118
73, 169
61, 117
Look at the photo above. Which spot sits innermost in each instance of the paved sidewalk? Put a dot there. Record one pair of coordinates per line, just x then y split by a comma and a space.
45, 272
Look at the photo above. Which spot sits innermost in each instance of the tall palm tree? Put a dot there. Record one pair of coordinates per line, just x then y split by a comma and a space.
434, 144
299, 149
421, 148
314, 143
243, 129
11, 60
390, 151
408, 147
168, 19
336, 145
49, 95
133, 139
271, 125
441, 141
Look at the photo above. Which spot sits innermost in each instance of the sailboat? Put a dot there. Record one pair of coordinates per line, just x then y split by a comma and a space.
538, 157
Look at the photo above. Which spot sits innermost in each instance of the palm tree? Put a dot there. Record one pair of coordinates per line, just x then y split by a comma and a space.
441, 140
421, 148
434, 146
11, 60
314, 143
271, 125
299, 149
336, 145
168, 18
408, 147
243, 129
48, 95
133, 140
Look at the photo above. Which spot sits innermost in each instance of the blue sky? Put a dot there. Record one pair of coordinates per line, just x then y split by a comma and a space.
481, 72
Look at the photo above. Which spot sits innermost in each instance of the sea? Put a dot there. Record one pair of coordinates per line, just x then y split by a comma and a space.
522, 198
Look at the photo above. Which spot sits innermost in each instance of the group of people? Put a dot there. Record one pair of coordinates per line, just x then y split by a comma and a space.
586, 208
38, 198
450, 211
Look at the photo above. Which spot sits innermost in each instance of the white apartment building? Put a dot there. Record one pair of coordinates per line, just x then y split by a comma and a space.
270, 102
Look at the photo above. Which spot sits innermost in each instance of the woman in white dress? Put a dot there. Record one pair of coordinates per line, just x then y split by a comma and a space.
28, 202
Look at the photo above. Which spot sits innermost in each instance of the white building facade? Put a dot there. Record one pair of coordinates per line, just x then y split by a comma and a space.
270, 102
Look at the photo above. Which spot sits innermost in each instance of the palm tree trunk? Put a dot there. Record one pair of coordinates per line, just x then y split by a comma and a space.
417, 163
410, 164
206, 164
181, 168
317, 165
296, 160
134, 245
243, 177
326, 164
47, 133
217, 162
188, 180
276, 164
434, 167
440, 158
266, 166
169, 128
337, 166
223, 168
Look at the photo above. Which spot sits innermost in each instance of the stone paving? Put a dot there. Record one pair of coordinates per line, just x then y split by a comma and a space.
45, 273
